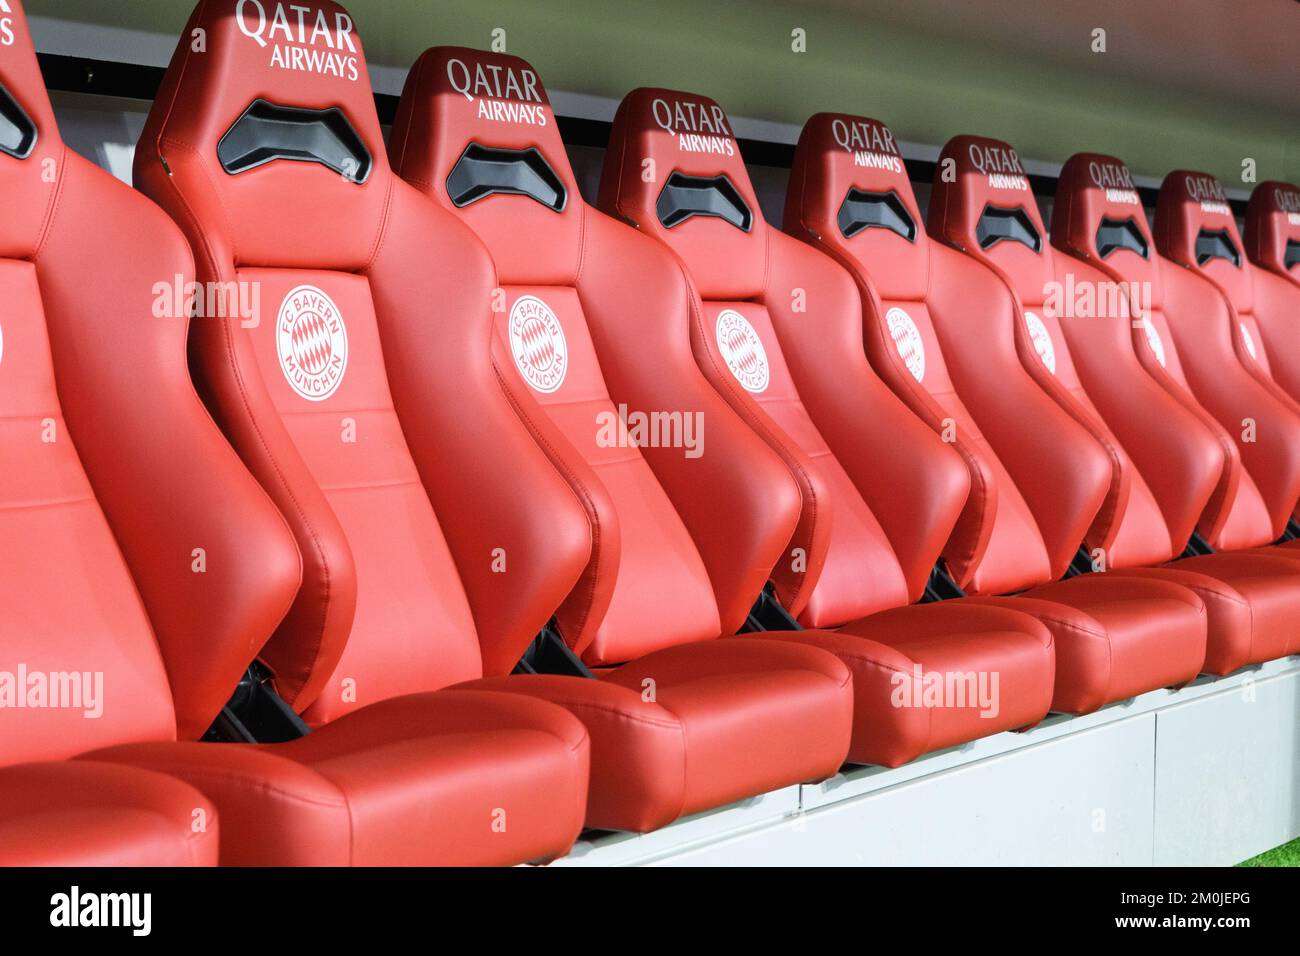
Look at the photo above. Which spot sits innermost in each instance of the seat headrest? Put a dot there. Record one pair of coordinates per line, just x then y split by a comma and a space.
1195, 227
1273, 228
839, 158
29, 137
982, 203
849, 188
1098, 212
674, 169
266, 107
974, 175
478, 129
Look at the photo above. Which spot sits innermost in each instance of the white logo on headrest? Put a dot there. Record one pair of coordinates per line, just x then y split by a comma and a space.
300, 33
699, 127
742, 350
500, 91
907, 339
6, 25
1154, 341
537, 343
312, 343
1042, 340
1248, 341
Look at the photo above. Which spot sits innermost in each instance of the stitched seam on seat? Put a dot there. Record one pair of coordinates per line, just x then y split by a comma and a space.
613, 712
727, 385
576, 487
237, 372
52, 207
216, 776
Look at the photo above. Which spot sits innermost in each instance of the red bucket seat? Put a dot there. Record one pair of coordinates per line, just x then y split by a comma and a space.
680, 721
248, 146
939, 328
1272, 241
630, 322
988, 212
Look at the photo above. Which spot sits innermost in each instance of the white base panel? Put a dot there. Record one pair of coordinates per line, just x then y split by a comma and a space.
1209, 774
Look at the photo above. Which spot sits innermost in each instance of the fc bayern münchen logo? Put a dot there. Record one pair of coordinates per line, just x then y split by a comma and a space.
742, 350
537, 343
908, 341
312, 342
1042, 340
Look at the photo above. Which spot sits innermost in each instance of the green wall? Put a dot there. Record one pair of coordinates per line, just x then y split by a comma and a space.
926, 86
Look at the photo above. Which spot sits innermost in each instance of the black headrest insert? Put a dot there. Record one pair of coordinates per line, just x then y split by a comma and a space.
1216, 245
1115, 234
684, 197
863, 210
267, 132
17, 131
483, 171
1011, 225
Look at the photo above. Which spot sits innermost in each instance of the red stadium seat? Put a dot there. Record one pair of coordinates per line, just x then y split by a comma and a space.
395, 770
1155, 502
1272, 243
944, 329
711, 529
680, 721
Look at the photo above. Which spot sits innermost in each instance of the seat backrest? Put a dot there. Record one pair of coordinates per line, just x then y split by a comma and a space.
1272, 236
1272, 240
120, 571
987, 210
689, 512
1219, 330
264, 143
1098, 222
850, 196
781, 339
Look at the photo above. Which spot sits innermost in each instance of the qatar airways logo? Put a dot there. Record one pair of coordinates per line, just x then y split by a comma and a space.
502, 94
871, 144
699, 127
301, 38
1288, 201
1116, 180
6, 25
1207, 191
1000, 164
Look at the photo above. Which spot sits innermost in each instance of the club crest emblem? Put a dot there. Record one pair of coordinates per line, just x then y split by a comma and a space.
742, 350
1042, 340
907, 339
537, 344
312, 343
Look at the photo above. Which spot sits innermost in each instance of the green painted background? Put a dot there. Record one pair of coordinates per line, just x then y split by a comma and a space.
926, 86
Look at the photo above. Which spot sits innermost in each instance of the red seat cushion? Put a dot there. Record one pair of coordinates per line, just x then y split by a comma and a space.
451, 778
1251, 602
999, 663
700, 725
670, 568
93, 814
1116, 637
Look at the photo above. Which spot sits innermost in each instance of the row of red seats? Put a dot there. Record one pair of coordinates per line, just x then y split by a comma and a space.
409, 501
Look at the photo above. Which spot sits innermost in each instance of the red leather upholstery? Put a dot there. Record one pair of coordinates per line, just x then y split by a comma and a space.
850, 469
94, 814
1093, 188
103, 495
392, 773
1222, 342
1273, 222
682, 722
1092, 345
460, 777
938, 325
